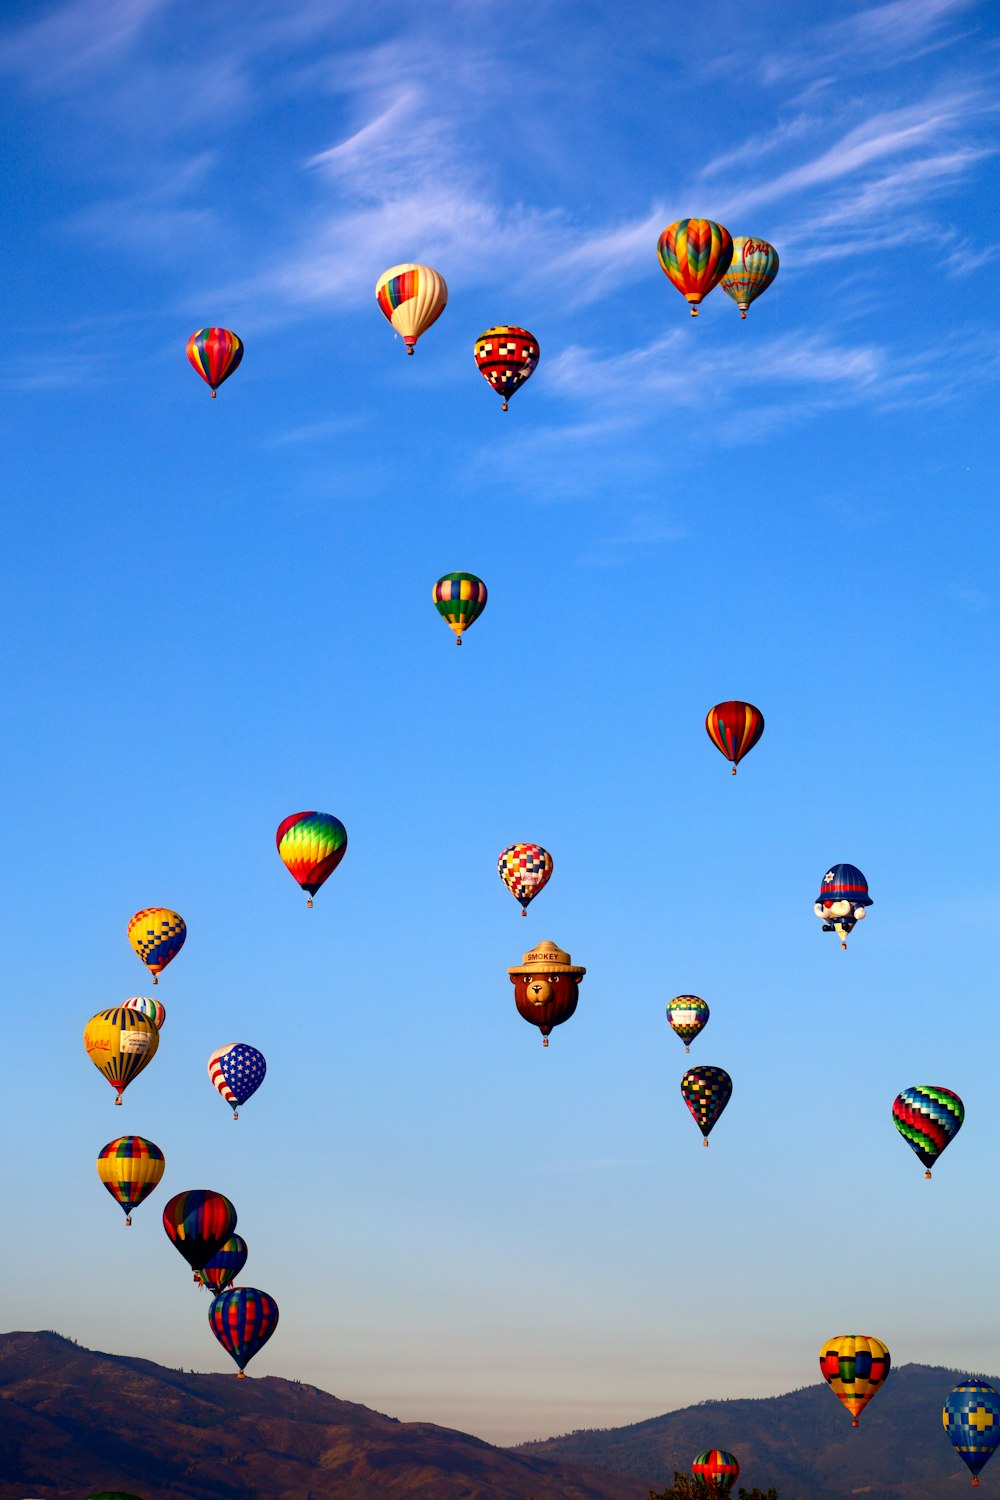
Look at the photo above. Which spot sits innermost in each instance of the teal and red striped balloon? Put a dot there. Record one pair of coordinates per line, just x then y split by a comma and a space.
215, 353
695, 254
243, 1320
734, 727
716, 1470
198, 1223
928, 1118
221, 1271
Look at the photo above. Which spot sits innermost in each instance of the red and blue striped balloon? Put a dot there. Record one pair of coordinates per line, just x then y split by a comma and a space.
243, 1320
215, 353
198, 1223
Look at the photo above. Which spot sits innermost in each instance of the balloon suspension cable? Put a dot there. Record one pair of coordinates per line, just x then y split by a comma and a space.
310, 901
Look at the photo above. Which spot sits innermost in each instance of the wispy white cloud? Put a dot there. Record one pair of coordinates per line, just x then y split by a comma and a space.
73, 41
880, 36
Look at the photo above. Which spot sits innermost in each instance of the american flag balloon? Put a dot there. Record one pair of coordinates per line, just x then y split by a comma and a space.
237, 1072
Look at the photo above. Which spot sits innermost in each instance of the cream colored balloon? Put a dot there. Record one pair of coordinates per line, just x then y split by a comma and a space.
412, 297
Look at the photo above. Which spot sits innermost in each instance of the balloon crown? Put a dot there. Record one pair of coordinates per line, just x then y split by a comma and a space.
546, 958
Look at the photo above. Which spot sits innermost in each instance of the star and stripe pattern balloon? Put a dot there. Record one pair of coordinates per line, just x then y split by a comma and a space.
157, 934
971, 1417
215, 353
706, 1091
716, 1470
198, 1223
524, 870
411, 297
753, 267
460, 599
734, 728
243, 1320
688, 1016
928, 1118
311, 846
120, 1042
507, 356
130, 1168
695, 254
237, 1071
146, 1006
219, 1273
855, 1366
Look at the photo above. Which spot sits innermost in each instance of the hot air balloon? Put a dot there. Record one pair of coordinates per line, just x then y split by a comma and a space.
311, 845
157, 934
734, 728
854, 1366
154, 1009
928, 1118
507, 356
120, 1043
546, 987
716, 1470
412, 297
695, 254
243, 1320
842, 899
753, 267
215, 353
688, 1015
460, 598
130, 1168
221, 1271
706, 1091
524, 870
237, 1071
971, 1417
198, 1223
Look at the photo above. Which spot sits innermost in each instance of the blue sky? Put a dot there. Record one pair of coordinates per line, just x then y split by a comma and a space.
217, 613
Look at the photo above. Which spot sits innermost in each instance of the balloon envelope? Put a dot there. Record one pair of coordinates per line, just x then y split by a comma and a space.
524, 870
225, 1265
157, 934
215, 353
507, 356
147, 1007
928, 1118
243, 1320
688, 1016
412, 297
734, 728
854, 1366
752, 269
706, 1092
237, 1071
120, 1042
198, 1223
460, 598
311, 846
695, 254
716, 1470
130, 1168
971, 1417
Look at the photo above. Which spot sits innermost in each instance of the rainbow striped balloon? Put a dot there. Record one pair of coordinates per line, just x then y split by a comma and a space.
198, 1223
215, 353
459, 598
411, 297
928, 1118
695, 254
221, 1271
311, 846
716, 1470
243, 1320
734, 728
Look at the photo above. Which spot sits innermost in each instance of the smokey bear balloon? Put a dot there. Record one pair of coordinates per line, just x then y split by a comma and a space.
546, 987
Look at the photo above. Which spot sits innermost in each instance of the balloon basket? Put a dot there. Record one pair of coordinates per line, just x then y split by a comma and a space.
243, 1374
458, 640
927, 1174
155, 980
118, 1101
687, 1049
855, 1422
545, 1041
705, 1143
213, 395
734, 770
128, 1221
236, 1114
503, 406
843, 945
694, 312
310, 901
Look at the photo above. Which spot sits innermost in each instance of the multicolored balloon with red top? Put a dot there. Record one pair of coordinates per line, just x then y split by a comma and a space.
198, 1223
695, 254
507, 356
311, 846
215, 353
843, 897
524, 869
855, 1366
716, 1471
928, 1118
243, 1320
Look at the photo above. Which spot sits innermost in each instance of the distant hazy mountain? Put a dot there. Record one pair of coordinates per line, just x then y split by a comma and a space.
73, 1422
802, 1443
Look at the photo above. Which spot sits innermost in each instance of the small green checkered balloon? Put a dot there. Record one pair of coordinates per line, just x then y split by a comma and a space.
688, 1016
460, 598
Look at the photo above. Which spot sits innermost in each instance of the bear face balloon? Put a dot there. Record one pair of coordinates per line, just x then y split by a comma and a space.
843, 896
546, 987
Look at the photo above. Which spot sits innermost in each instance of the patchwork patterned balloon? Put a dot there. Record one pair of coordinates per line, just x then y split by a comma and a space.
459, 598
688, 1015
146, 1006
695, 254
120, 1042
753, 267
198, 1223
215, 353
243, 1320
130, 1168
237, 1071
221, 1271
507, 356
854, 1366
971, 1417
524, 870
734, 728
706, 1092
157, 934
716, 1470
412, 297
311, 845
928, 1118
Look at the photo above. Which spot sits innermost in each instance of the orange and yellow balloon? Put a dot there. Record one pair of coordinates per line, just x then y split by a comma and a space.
120, 1042
412, 297
130, 1168
157, 934
854, 1366
753, 267
695, 254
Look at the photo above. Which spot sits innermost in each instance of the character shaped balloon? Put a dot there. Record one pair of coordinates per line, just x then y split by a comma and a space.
842, 899
460, 599
243, 1320
146, 1006
716, 1471
688, 1016
752, 269
237, 1071
198, 1223
524, 870
971, 1418
219, 1273
215, 353
507, 356
157, 934
120, 1042
411, 297
130, 1168
734, 728
706, 1091
546, 987
311, 846
695, 254
854, 1366
928, 1118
